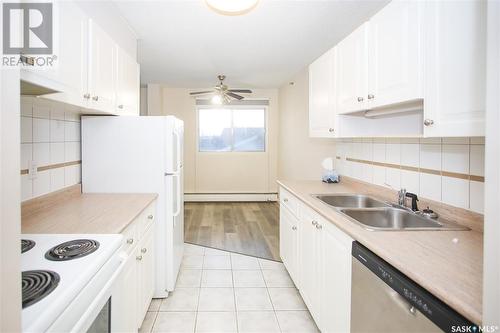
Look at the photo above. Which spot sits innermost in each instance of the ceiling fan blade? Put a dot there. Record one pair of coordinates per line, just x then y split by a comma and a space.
201, 92
238, 97
244, 91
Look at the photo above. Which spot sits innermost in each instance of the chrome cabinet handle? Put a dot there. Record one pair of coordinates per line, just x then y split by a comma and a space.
360, 99
330, 130
120, 106
371, 96
144, 250
150, 217
138, 258
86, 96
319, 226
285, 200
130, 241
428, 122
294, 228
314, 223
95, 98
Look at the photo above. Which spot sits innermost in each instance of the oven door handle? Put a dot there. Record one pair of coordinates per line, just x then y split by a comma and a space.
104, 294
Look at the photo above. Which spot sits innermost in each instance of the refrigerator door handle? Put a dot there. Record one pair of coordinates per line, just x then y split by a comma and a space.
177, 150
178, 194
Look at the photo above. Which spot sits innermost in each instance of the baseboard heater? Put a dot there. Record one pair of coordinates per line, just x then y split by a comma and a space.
230, 197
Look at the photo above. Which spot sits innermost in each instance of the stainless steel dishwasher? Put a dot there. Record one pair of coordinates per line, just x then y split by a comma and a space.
385, 300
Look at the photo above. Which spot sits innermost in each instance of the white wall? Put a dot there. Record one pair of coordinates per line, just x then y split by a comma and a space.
299, 155
50, 138
10, 209
220, 172
491, 274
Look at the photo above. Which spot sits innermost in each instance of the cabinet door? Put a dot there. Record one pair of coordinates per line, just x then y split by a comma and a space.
102, 61
124, 307
309, 286
335, 280
395, 54
70, 67
322, 96
351, 71
145, 258
455, 68
127, 84
288, 242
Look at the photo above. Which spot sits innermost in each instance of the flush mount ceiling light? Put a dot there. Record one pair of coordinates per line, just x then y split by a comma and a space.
232, 7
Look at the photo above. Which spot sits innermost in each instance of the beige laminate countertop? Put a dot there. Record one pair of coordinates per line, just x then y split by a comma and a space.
452, 271
87, 214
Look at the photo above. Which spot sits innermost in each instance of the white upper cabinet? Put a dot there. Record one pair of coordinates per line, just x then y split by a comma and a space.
395, 54
127, 84
91, 71
322, 96
455, 89
351, 71
102, 69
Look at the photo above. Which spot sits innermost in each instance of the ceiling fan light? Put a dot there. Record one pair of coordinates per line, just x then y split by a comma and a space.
232, 7
217, 100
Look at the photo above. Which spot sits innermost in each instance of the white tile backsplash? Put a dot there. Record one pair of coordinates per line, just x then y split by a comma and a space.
50, 135
41, 130
455, 192
455, 158
431, 158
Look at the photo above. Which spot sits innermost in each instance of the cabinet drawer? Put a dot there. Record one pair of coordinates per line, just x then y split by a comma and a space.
289, 201
130, 237
146, 218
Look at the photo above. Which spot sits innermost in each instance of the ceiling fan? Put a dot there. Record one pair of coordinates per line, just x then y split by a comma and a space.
221, 94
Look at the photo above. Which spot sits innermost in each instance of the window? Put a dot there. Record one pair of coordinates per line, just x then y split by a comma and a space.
231, 129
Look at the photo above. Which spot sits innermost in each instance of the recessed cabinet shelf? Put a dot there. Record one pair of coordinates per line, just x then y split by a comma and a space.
404, 73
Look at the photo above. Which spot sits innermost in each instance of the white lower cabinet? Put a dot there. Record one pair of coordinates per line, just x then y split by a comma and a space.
317, 256
145, 273
134, 288
289, 241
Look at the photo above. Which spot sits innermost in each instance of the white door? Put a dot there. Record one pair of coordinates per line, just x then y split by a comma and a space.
124, 304
351, 71
288, 242
395, 54
102, 61
322, 96
309, 286
72, 54
174, 144
335, 280
455, 68
127, 84
146, 264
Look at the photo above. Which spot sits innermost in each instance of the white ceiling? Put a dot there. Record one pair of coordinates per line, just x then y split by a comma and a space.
184, 44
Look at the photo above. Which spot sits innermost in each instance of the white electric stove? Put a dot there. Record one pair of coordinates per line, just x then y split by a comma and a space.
67, 281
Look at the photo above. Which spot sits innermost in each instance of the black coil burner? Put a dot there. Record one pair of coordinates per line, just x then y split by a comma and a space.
72, 250
26, 244
38, 284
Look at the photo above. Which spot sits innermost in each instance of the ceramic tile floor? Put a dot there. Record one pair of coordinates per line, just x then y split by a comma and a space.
219, 291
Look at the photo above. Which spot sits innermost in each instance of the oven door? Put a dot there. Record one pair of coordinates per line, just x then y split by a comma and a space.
102, 323
90, 311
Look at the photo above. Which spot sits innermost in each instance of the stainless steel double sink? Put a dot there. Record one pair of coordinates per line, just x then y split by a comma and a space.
374, 215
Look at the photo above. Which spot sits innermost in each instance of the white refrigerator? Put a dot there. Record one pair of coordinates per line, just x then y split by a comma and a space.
141, 155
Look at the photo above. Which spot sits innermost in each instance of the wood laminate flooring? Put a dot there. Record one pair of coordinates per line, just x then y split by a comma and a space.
250, 228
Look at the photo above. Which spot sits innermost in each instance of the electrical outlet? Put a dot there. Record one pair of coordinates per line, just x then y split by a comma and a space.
32, 170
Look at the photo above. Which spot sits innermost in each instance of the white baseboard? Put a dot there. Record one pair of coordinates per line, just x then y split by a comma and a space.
234, 197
